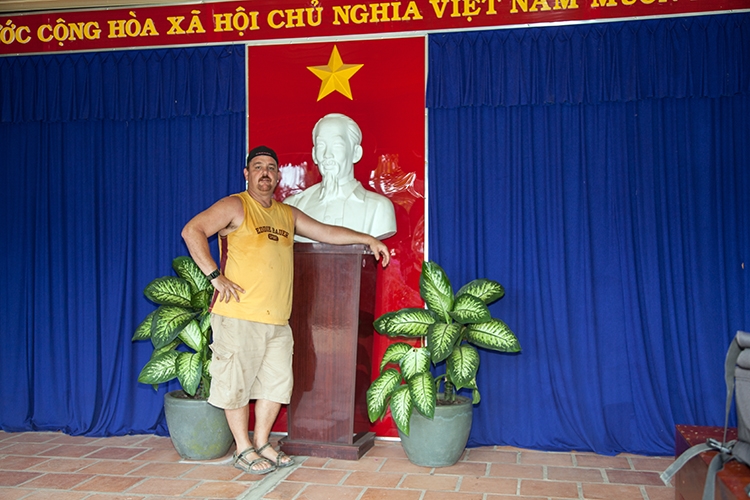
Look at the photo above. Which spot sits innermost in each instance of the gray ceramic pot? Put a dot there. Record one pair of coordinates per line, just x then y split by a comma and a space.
198, 430
439, 442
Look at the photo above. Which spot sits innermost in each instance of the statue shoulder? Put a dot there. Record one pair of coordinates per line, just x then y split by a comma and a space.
297, 199
378, 199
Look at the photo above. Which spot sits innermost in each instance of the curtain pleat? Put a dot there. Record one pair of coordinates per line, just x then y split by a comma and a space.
611, 202
104, 158
705, 56
122, 85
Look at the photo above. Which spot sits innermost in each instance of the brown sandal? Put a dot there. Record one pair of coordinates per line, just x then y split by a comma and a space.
280, 463
242, 463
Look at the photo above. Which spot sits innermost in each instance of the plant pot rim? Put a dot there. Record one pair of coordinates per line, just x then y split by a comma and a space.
181, 394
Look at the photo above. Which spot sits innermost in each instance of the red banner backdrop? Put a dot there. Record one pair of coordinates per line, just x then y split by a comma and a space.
226, 22
386, 99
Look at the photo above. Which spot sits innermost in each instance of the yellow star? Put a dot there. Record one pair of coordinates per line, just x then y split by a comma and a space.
335, 76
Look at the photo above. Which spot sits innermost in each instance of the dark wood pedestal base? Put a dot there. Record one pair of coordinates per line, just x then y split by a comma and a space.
332, 315
689, 481
354, 451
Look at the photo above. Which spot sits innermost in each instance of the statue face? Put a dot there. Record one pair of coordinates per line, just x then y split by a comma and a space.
333, 151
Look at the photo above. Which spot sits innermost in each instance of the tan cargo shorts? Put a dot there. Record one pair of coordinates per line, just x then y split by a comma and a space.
250, 361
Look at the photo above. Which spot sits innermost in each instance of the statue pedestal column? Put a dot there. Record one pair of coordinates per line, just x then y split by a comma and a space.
332, 314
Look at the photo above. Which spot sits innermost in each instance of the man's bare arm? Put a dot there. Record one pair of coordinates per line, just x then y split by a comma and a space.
222, 217
336, 235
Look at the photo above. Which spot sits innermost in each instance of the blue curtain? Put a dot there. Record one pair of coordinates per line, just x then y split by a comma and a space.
601, 174
105, 156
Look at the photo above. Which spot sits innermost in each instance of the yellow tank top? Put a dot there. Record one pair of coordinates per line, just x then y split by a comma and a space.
259, 256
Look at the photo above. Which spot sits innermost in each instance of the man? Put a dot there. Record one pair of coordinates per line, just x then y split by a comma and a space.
340, 198
252, 340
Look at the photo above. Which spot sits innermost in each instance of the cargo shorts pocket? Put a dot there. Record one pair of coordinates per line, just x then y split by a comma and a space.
224, 376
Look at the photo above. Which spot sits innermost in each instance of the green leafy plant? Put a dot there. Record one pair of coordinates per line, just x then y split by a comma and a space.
448, 327
179, 329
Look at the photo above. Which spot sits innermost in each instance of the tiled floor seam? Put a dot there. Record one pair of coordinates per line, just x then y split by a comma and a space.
361, 494
459, 481
268, 483
644, 493
196, 486
346, 476
400, 483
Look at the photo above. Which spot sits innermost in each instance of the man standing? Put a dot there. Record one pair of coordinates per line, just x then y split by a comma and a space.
340, 198
252, 340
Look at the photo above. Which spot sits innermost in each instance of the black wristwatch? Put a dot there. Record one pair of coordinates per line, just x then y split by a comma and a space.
214, 274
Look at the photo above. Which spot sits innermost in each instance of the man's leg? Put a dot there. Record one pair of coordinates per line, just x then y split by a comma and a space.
265, 415
238, 423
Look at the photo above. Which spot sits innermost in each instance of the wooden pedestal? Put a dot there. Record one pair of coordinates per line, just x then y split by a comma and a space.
689, 481
332, 315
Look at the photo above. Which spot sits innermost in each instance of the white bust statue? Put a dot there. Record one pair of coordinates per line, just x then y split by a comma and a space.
340, 199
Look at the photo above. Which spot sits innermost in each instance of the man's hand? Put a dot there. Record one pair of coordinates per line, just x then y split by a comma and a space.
226, 288
381, 252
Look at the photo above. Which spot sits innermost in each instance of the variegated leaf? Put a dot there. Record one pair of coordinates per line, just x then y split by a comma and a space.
169, 291
207, 369
167, 324
188, 270
408, 322
462, 365
381, 324
192, 337
475, 396
493, 334
423, 394
415, 361
159, 369
394, 353
401, 407
441, 338
487, 290
379, 392
205, 325
143, 331
171, 346
436, 290
202, 299
469, 309
189, 368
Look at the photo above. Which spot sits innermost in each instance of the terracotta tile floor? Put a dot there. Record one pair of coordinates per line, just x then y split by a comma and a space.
48, 465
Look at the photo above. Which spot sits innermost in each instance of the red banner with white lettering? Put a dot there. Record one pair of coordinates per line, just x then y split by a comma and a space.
380, 84
256, 20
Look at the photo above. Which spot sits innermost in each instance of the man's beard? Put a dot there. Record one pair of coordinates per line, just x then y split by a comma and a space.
330, 187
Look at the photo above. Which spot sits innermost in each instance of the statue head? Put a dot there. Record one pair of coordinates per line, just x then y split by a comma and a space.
336, 146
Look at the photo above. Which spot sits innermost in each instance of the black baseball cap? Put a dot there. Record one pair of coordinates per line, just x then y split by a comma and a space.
261, 151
